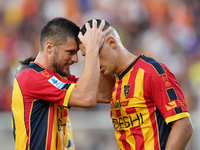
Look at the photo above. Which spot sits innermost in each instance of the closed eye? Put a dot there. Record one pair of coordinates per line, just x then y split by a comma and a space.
72, 52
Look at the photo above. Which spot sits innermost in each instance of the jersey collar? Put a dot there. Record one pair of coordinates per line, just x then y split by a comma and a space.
128, 67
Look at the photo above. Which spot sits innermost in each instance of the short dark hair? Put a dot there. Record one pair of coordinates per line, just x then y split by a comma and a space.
58, 30
107, 25
27, 61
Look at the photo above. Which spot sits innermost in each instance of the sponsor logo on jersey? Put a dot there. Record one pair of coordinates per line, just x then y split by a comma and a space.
171, 105
57, 83
126, 90
127, 121
119, 104
166, 80
180, 103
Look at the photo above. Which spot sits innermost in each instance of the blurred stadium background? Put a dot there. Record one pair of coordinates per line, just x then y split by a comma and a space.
168, 30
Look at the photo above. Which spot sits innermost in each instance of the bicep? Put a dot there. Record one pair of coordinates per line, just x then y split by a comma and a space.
180, 134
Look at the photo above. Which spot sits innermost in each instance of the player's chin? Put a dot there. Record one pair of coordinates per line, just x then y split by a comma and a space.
65, 72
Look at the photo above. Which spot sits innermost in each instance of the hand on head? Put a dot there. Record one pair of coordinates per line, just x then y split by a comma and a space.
94, 37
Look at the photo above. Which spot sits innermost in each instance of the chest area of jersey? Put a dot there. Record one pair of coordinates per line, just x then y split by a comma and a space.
130, 87
130, 105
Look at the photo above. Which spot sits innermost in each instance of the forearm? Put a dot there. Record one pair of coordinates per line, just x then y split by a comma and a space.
89, 80
85, 92
180, 134
106, 84
87, 86
104, 98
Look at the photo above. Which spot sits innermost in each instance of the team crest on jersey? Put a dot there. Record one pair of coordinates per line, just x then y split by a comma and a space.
57, 83
126, 90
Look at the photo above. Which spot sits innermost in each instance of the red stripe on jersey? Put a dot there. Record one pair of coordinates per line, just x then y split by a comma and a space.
130, 110
28, 107
27, 143
118, 113
132, 82
155, 130
50, 127
65, 113
123, 140
111, 114
152, 114
154, 126
118, 90
138, 136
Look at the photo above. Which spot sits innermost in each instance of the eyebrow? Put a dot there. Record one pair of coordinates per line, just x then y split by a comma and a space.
72, 50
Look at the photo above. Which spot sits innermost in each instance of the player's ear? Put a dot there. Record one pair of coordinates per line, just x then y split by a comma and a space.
49, 46
111, 42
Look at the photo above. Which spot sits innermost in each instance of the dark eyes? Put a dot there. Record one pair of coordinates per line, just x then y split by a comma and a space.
72, 52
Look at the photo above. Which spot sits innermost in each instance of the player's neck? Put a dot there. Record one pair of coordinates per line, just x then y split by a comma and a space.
124, 59
43, 60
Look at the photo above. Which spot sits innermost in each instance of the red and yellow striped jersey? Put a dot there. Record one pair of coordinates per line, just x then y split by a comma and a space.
67, 129
145, 99
69, 135
39, 109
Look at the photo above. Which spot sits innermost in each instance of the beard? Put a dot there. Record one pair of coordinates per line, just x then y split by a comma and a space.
58, 66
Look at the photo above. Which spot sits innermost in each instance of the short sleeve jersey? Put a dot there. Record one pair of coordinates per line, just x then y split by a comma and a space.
38, 107
145, 99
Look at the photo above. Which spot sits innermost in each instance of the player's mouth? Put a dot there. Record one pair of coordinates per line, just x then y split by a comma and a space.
67, 67
68, 64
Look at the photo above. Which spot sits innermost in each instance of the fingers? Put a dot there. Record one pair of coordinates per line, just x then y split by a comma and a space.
87, 26
80, 35
94, 36
107, 31
94, 24
101, 26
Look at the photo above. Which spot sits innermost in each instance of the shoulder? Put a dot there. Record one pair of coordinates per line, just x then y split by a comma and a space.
152, 66
156, 71
35, 72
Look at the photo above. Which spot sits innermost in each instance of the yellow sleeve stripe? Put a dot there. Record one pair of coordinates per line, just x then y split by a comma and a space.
18, 114
177, 117
68, 94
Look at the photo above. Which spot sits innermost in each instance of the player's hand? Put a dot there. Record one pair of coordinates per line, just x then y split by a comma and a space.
93, 37
82, 49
